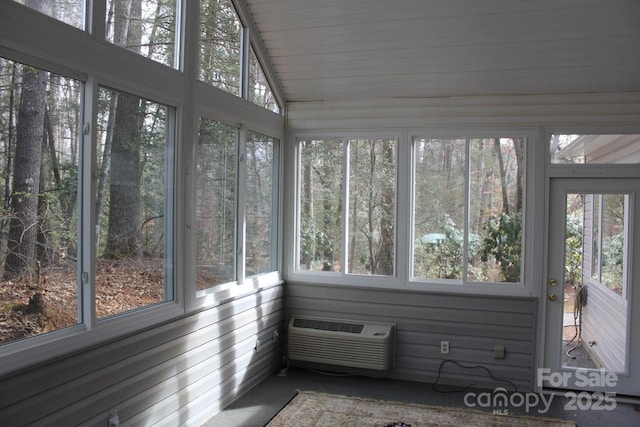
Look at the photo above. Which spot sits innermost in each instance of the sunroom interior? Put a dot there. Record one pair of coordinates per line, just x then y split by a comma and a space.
183, 178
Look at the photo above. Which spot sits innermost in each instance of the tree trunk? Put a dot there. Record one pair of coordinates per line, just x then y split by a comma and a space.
306, 257
503, 176
123, 235
519, 147
9, 154
388, 212
26, 176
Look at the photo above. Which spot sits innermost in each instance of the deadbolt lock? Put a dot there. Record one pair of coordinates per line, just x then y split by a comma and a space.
553, 282
552, 297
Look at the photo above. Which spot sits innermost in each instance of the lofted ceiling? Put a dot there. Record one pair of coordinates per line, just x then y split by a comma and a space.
328, 50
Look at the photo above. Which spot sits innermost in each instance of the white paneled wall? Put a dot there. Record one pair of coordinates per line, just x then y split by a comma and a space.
182, 372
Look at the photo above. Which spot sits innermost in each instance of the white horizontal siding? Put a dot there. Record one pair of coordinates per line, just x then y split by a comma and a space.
621, 109
181, 372
604, 323
472, 325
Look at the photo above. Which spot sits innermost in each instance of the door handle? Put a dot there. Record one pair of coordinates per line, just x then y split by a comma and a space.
552, 297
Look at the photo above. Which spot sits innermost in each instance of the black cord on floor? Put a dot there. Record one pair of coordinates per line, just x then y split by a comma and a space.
435, 384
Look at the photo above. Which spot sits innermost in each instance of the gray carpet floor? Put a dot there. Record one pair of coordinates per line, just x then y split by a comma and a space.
258, 406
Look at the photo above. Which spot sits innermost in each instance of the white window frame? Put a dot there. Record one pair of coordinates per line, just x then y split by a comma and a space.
30, 37
342, 277
404, 212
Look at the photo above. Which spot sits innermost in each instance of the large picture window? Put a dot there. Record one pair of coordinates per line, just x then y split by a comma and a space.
467, 209
365, 242
236, 197
132, 200
39, 144
128, 264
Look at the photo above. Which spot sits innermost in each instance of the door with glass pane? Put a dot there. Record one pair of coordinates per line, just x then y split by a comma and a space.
591, 333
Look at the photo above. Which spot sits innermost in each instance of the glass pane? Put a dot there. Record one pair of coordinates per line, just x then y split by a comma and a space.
132, 193
220, 45
321, 185
147, 27
372, 206
496, 185
595, 323
68, 11
259, 90
216, 177
40, 116
439, 207
614, 212
592, 211
260, 194
598, 149
259, 204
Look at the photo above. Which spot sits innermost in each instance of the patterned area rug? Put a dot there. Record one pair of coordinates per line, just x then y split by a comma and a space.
310, 409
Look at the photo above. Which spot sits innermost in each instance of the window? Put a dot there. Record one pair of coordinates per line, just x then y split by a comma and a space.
365, 242
216, 191
133, 203
320, 191
371, 207
260, 204
259, 89
467, 209
145, 27
68, 11
131, 263
39, 287
220, 45
234, 190
605, 228
594, 149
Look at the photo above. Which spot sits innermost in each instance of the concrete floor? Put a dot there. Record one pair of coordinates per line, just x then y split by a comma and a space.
259, 405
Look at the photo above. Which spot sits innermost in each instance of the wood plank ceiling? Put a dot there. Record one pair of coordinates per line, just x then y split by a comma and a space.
328, 50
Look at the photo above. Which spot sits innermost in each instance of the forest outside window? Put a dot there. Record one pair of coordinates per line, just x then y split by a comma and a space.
70, 12
146, 27
347, 206
220, 45
216, 203
39, 145
236, 196
467, 209
130, 242
260, 203
133, 203
260, 92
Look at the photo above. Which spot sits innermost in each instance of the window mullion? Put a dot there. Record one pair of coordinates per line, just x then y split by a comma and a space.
244, 63
95, 12
241, 218
345, 206
467, 202
86, 207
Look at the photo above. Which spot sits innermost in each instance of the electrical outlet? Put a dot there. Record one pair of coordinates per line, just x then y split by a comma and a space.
498, 352
444, 347
258, 345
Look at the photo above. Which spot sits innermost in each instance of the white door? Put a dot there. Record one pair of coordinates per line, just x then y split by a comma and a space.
592, 294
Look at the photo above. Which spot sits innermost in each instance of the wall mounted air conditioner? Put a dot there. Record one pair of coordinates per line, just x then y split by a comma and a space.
341, 343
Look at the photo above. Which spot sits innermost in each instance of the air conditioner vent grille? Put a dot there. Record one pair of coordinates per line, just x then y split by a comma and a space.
334, 342
324, 325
